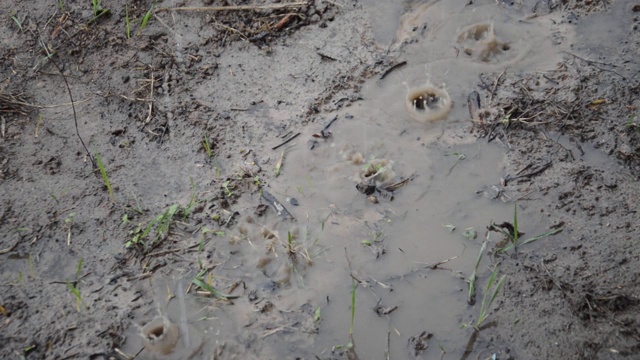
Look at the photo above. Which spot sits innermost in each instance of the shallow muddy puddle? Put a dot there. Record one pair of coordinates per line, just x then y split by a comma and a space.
349, 227
446, 46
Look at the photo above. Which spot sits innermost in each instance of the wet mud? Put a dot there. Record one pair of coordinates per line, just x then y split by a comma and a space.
319, 180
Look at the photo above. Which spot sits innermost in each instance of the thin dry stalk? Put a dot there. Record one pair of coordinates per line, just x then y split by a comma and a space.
150, 102
13, 104
236, 7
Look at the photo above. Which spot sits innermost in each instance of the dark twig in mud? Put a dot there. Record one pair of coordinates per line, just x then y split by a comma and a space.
286, 141
538, 171
237, 7
326, 57
473, 102
325, 133
75, 117
392, 68
384, 310
433, 266
73, 282
277, 205
284, 21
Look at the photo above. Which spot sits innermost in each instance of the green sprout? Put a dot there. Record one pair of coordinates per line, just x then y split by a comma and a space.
127, 21
105, 177
207, 147
146, 18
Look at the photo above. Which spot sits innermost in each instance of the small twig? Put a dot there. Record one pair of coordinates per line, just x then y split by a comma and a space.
71, 281
236, 7
75, 117
164, 24
146, 121
538, 171
495, 86
286, 141
388, 352
229, 28
326, 57
4, 251
394, 67
165, 252
433, 266
277, 205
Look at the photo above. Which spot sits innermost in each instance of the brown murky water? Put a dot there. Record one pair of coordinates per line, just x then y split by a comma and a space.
447, 45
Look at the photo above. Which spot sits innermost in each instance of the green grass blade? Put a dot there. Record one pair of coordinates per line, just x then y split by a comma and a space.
316, 316
353, 305
105, 177
79, 270
483, 307
211, 290
542, 236
15, 19
473, 278
76, 293
126, 19
497, 290
532, 239
192, 202
515, 224
146, 18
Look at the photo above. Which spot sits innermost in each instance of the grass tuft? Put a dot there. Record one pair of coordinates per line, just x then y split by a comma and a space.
514, 238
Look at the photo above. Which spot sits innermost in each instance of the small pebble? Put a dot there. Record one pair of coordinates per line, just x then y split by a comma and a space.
293, 201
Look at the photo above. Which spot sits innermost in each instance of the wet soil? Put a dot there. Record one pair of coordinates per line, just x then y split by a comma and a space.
270, 194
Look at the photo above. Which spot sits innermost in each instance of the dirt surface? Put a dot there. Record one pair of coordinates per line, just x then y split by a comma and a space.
185, 116
577, 296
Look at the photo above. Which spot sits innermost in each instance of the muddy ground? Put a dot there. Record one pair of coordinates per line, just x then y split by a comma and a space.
185, 116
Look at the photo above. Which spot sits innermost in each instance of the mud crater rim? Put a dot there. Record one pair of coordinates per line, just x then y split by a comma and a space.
428, 103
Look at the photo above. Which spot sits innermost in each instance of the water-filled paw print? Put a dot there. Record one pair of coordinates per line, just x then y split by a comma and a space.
428, 103
480, 43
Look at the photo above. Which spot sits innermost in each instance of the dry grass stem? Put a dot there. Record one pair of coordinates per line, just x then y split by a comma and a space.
236, 7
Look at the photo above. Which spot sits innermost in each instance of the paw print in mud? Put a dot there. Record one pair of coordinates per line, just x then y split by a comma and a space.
480, 43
